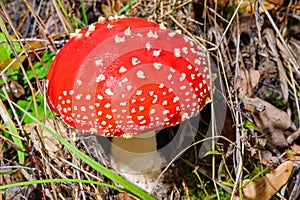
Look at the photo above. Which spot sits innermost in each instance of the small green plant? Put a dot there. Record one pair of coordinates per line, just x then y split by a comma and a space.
72, 19
126, 8
40, 69
10, 69
249, 124
5, 49
257, 172
279, 102
29, 106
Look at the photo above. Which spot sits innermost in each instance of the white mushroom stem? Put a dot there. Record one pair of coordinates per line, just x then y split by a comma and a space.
137, 159
137, 154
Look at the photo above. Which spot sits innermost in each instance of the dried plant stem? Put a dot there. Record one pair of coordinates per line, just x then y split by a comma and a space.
238, 120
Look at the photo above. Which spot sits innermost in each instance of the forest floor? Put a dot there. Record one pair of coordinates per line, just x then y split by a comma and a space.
254, 48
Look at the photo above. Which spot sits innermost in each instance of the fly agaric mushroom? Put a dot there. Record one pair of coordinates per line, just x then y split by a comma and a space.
124, 77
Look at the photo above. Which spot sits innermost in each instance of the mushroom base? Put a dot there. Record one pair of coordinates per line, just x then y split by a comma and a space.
136, 155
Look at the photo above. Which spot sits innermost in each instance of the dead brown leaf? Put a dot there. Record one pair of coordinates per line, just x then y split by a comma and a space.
108, 10
16, 89
45, 139
263, 155
249, 5
296, 148
268, 185
271, 121
247, 80
111, 7
12, 63
293, 156
271, 39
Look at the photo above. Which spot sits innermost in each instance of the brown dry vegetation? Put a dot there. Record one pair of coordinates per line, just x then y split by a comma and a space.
256, 51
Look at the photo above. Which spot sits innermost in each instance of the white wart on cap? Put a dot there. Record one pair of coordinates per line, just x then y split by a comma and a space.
127, 76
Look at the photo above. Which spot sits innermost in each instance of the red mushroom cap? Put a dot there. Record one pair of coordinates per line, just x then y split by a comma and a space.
126, 76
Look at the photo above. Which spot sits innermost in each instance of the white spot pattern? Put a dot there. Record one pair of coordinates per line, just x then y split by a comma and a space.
127, 32
187, 97
99, 78
148, 46
119, 39
156, 53
157, 65
122, 69
109, 92
99, 62
140, 74
152, 34
135, 61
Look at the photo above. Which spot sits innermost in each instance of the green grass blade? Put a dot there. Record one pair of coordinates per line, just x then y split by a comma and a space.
64, 11
92, 163
3, 112
84, 12
14, 132
21, 184
126, 8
